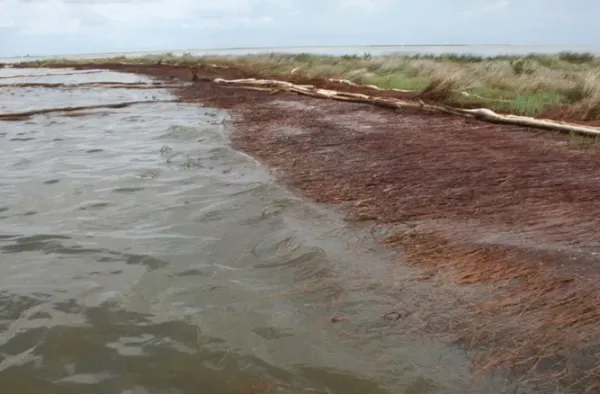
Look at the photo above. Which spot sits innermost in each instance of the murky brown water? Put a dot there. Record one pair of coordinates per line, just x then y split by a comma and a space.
140, 254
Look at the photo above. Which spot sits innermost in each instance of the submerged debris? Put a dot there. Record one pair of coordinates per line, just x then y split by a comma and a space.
14, 116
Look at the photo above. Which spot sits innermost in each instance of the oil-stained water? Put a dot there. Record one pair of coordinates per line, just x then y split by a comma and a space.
139, 254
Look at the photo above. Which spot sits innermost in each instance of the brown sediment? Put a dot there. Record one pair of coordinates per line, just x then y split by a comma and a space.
49, 75
16, 116
512, 212
208, 72
104, 85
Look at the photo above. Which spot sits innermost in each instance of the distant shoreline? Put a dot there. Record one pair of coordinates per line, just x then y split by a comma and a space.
577, 47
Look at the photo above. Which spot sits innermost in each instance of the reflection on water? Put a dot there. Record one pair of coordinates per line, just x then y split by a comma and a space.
140, 254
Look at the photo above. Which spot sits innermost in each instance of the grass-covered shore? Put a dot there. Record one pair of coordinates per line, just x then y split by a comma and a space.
523, 85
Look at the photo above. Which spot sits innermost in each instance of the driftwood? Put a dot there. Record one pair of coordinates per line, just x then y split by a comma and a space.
27, 114
482, 114
374, 87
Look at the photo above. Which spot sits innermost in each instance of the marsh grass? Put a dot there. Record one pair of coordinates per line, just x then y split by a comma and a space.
523, 85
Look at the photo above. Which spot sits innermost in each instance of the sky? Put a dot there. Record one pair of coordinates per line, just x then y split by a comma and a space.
52, 27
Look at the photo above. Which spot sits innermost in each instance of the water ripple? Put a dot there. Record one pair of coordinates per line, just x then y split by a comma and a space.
139, 253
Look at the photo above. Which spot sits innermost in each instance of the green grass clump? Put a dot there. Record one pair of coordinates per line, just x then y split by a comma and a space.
575, 57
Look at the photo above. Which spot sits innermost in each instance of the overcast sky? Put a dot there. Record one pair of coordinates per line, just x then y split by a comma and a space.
40, 27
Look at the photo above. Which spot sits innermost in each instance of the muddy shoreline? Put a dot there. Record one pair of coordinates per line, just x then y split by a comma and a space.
510, 210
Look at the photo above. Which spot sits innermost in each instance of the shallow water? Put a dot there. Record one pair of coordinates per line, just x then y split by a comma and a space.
139, 253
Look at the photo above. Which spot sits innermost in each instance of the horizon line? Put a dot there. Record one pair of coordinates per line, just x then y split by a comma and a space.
213, 49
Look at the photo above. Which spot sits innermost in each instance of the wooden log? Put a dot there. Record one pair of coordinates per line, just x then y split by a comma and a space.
482, 114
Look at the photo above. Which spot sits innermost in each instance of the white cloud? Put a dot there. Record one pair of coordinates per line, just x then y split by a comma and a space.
488, 7
39, 17
369, 6
149, 13
51, 17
